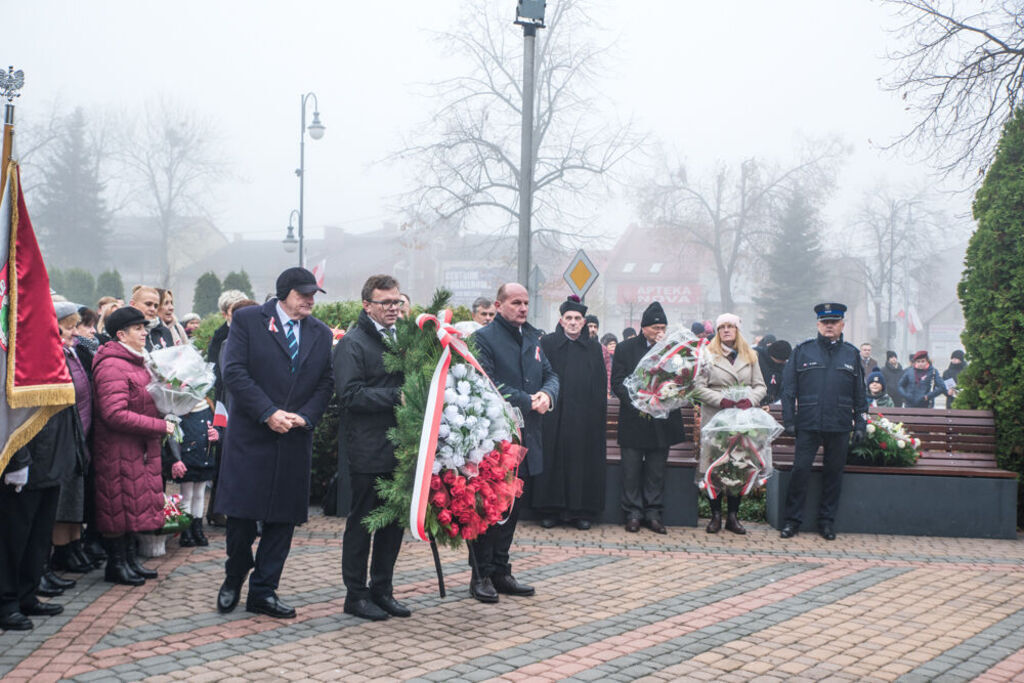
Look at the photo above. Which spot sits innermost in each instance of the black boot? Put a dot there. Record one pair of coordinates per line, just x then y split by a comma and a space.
197, 532
117, 570
79, 554
93, 547
715, 524
187, 540
132, 558
64, 559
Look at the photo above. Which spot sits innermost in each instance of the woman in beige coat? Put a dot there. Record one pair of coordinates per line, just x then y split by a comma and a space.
731, 362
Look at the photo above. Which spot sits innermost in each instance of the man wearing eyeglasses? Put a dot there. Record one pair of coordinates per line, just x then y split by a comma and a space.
368, 395
823, 399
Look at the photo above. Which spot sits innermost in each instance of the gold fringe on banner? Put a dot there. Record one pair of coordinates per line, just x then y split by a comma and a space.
56, 395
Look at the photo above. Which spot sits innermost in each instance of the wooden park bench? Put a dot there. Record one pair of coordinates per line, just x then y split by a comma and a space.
955, 488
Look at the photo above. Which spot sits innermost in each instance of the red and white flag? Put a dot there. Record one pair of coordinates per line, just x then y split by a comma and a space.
34, 378
220, 415
913, 321
318, 272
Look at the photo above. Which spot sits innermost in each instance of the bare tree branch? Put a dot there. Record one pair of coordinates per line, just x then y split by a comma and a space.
961, 74
469, 162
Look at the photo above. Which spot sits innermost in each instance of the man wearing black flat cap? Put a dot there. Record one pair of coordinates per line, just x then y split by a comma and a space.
277, 369
823, 399
644, 440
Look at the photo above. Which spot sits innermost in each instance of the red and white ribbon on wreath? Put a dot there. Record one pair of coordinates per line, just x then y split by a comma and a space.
450, 341
752, 479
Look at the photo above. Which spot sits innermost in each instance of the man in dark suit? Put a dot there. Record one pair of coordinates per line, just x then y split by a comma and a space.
277, 369
368, 394
644, 440
509, 352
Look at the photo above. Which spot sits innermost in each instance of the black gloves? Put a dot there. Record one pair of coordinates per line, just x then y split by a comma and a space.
789, 430
859, 436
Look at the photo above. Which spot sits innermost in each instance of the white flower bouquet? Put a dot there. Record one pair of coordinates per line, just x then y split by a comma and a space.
180, 379
738, 443
475, 421
664, 378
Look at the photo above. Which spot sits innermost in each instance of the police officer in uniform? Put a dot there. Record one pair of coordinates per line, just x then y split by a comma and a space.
823, 398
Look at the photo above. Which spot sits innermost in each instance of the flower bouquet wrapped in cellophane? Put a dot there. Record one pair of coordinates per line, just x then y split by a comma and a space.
737, 445
664, 378
180, 379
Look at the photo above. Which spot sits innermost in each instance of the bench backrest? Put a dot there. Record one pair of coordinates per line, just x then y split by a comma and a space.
949, 438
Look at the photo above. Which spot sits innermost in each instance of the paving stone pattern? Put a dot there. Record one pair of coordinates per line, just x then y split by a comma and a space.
609, 606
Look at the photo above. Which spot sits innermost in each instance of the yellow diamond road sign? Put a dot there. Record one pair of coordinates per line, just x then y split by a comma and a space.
580, 274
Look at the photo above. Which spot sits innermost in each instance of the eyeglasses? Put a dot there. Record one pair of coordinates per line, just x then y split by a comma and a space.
390, 303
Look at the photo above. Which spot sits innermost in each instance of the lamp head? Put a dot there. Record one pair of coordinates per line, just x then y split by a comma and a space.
289, 242
316, 129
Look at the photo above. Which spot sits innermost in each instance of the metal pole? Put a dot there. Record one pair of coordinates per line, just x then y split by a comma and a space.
302, 179
526, 156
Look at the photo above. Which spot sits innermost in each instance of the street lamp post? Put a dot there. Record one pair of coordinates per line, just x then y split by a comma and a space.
316, 131
529, 15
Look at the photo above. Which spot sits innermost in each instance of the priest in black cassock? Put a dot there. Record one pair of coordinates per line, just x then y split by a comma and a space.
571, 486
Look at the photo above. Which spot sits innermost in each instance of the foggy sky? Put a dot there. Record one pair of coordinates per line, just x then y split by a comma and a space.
714, 82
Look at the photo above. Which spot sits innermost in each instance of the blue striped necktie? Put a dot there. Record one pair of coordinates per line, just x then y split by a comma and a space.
293, 343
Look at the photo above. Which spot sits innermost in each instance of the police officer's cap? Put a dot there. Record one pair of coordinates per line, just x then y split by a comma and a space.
830, 311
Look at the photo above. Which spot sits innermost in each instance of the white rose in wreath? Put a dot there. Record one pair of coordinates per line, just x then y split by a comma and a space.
871, 429
901, 444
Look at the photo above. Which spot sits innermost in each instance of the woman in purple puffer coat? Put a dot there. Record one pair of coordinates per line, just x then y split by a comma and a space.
127, 431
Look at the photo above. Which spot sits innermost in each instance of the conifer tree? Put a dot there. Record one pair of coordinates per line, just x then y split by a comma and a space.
239, 281
109, 283
794, 272
992, 295
72, 216
208, 288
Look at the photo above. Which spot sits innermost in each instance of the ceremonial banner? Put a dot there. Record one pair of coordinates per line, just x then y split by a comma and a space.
33, 374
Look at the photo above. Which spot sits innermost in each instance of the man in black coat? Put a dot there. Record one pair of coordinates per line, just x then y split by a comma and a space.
572, 483
277, 369
368, 394
772, 359
823, 399
29, 490
509, 352
644, 440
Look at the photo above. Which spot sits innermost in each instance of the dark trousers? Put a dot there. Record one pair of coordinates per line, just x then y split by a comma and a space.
491, 548
26, 529
643, 482
835, 445
734, 504
355, 547
275, 543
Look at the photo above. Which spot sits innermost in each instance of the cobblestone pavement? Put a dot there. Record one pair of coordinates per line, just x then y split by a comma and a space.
609, 606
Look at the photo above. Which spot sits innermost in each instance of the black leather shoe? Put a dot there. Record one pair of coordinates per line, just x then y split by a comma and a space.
582, 524
15, 621
788, 531
827, 532
132, 559
656, 526
715, 523
58, 581
507, 584
42, 609
548, 523
228, 595
632, 525
391, 606
46, 589
365, 609
271, 606
483, 590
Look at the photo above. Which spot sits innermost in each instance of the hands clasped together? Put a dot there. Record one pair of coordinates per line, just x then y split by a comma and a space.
282, 421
